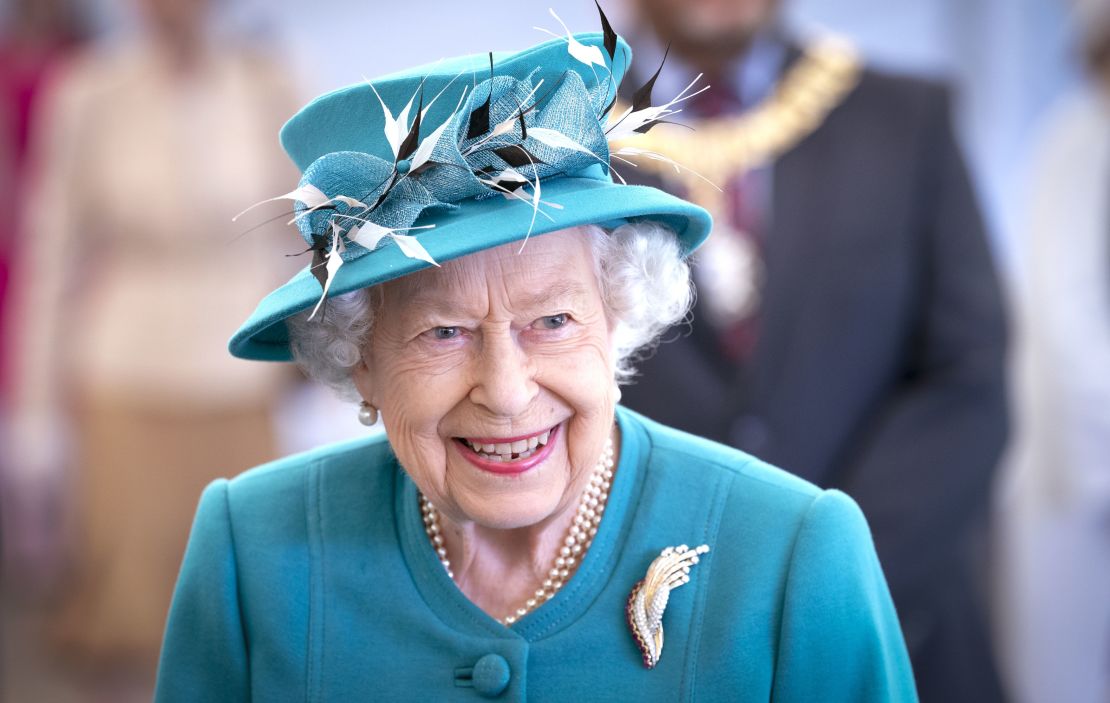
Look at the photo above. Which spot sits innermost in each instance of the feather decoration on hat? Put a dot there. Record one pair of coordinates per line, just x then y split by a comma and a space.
505, 136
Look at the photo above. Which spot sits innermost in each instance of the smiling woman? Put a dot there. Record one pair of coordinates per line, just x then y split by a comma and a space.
480, 280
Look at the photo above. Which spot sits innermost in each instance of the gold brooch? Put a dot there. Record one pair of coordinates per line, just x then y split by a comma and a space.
649, 596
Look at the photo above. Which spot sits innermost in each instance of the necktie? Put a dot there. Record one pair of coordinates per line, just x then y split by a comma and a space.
729, 270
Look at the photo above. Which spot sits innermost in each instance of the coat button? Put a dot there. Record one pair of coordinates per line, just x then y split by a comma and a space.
491, 675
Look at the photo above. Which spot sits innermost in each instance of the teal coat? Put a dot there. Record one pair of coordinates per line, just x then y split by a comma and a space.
312, 579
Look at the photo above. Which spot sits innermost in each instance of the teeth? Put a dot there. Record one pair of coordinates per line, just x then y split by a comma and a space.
505, 451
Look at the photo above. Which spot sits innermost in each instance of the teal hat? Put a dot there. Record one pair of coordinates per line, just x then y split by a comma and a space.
431, 164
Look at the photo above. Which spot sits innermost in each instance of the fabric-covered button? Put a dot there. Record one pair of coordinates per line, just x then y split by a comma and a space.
491, 675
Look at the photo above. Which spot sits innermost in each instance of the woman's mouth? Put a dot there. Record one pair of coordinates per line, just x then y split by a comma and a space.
513, 455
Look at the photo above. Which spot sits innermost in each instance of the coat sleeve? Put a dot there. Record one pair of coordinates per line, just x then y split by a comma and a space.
204, 652
839, 638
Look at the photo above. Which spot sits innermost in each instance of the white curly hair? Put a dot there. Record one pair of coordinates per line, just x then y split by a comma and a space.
645, 288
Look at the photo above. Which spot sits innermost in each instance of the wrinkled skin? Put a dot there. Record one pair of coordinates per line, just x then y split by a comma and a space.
500, 343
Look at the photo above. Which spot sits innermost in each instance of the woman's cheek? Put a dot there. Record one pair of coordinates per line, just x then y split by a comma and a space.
581, 362
419, 449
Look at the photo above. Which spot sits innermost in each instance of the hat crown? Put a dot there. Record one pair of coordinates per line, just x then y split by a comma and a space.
351, 118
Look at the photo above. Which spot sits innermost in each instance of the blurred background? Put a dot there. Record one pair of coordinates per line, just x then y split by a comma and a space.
132, 131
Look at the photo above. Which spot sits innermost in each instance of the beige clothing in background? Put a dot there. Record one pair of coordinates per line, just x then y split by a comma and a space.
134, 279
1052, 522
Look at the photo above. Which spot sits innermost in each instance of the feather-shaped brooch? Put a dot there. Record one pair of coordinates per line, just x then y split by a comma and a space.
649, 597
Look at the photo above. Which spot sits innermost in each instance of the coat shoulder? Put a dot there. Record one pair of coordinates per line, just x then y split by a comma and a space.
280, 489
682, 457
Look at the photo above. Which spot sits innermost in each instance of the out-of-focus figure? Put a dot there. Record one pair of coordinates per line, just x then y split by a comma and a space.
1053, 508
36, 38
38, 33
132, 278
849, 325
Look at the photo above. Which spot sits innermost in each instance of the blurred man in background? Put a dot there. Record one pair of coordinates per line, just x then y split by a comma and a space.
849, 324
1053, 508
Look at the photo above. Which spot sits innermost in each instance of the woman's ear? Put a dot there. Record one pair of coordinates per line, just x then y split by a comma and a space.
362, 373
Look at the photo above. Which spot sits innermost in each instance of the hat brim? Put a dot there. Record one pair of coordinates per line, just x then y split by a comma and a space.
474, 226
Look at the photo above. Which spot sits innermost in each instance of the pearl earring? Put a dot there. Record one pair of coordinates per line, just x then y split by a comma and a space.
367, 414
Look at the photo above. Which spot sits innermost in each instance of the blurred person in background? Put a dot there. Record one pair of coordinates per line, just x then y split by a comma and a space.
1053, 508
130, 278
35, 36
849, 324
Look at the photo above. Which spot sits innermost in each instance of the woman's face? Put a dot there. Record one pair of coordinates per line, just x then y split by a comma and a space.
494, 377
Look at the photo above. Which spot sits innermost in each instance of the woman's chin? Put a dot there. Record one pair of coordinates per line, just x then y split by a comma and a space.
510, 512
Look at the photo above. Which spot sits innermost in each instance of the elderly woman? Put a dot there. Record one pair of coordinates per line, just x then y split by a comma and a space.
480, 281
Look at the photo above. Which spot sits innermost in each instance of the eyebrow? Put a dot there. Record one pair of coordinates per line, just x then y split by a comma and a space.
530, 300
560, 290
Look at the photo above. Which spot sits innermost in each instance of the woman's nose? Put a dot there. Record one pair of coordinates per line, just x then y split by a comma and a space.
503, 382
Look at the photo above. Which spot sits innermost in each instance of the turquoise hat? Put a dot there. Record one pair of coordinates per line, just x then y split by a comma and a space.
431, 164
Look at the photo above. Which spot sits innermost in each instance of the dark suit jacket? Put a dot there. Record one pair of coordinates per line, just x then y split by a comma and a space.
879, 368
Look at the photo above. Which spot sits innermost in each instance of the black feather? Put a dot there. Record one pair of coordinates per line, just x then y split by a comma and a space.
610, 35
609, 107
493, 171
516, 156
393, 177
643, 129
523, 128
412, 141
641, 99
425, 166
479, 119
536, 103
319, 258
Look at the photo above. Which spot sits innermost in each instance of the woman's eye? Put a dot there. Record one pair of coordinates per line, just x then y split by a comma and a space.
553, 322
445, 332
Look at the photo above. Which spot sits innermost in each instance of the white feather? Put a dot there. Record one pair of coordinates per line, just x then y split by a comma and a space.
558, 140
413, 249
589, 55
395, 128
335, 260
368, 235
308, 194
349, 202
626, 124
655, 156
428, 144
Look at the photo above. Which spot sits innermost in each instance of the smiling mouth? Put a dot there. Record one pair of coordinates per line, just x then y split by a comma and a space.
508, 451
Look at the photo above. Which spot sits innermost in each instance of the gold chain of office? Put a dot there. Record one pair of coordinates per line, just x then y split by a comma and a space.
720, 148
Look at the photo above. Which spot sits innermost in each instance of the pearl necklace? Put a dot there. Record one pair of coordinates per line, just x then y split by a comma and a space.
579, 537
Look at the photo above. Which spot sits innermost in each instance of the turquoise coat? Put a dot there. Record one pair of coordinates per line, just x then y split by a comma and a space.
312, 579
